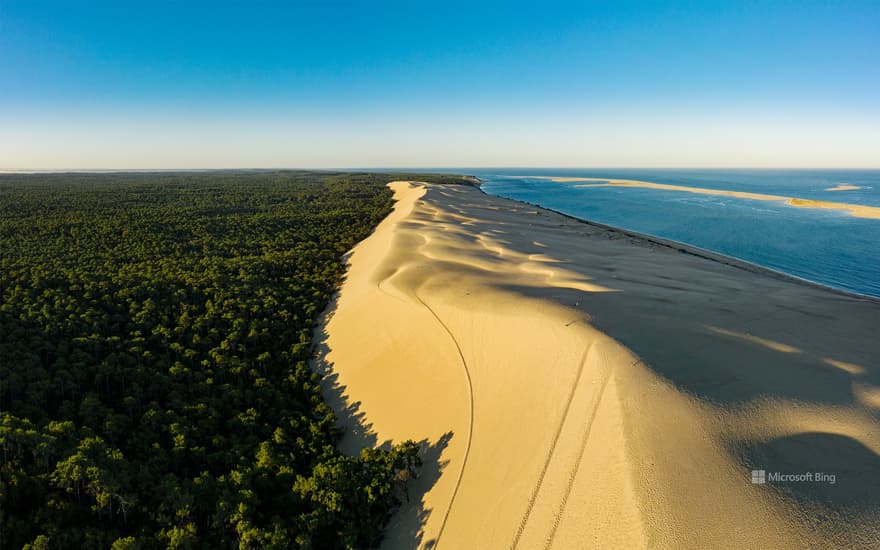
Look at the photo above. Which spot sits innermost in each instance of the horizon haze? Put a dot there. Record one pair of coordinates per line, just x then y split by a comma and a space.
102, 85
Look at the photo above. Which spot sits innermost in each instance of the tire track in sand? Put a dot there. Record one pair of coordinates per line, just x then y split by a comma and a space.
574, 471
414, 293
533, 497
467, 448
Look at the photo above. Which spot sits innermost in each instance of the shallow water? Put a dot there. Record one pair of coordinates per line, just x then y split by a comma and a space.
825, 246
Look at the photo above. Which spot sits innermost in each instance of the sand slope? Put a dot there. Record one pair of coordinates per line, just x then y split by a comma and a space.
575, 387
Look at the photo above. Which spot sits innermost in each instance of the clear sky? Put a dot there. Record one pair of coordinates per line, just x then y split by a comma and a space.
159, 84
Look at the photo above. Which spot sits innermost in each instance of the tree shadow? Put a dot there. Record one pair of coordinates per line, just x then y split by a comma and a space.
406, 529
406, 526
355, 431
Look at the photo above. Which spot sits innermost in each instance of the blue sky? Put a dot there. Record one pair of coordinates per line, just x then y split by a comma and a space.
320, 84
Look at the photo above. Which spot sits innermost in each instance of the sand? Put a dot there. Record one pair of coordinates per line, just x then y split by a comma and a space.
843, 187
579, 387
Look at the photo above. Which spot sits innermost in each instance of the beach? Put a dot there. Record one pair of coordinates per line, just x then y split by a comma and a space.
575, 386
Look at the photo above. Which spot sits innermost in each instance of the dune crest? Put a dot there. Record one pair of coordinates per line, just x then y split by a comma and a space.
580, 388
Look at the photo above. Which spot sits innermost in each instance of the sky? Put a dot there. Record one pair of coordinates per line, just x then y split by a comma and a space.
162, 84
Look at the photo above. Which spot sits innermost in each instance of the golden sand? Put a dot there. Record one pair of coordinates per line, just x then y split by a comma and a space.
577, 387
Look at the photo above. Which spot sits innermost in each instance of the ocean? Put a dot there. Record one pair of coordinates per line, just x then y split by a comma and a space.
829, 247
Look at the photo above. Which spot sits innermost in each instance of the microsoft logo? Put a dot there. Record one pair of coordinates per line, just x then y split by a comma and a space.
761, 477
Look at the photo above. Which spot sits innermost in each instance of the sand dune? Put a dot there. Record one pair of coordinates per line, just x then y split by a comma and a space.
578, 387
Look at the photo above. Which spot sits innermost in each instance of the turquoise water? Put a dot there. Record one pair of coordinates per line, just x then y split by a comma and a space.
825, 246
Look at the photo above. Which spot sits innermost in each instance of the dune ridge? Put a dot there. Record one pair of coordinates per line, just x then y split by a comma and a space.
580, 388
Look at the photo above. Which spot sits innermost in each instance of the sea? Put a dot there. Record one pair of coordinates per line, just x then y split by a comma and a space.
828, 247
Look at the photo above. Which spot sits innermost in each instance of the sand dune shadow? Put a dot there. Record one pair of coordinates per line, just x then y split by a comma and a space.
829, 469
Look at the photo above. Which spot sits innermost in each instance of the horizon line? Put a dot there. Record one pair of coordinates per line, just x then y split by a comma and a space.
4, 171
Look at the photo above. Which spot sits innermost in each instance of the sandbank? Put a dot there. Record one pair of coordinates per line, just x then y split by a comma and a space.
855, 210
843, 187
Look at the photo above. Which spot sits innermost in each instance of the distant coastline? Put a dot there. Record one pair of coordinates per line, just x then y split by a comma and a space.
793, 234
691, 249
710, 255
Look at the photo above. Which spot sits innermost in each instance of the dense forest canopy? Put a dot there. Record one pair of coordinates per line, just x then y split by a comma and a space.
155, 335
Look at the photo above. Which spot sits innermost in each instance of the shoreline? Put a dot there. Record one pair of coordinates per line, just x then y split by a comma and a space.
699, 252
